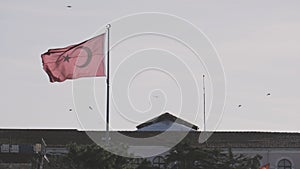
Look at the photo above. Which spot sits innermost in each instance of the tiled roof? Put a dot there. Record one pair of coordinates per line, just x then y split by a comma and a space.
167, 117
255, 140
218, 139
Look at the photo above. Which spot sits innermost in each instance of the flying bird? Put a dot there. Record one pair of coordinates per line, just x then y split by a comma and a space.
268, 94
69, 6
239, 105
70, 109
90, 107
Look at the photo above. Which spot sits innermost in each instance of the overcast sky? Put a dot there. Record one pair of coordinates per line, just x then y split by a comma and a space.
257, 41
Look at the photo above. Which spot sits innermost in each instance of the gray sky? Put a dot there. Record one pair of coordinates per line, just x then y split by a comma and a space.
257, 43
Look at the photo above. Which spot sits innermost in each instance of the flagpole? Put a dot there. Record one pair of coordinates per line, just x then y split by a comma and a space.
107, 86
204, 113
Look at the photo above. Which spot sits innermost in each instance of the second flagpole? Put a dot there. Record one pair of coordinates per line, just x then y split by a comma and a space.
204, 110
107, 86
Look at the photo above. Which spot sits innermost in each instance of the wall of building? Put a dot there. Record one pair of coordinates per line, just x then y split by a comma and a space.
273, 155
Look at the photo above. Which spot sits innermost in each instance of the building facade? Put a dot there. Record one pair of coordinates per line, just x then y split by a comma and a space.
20, 147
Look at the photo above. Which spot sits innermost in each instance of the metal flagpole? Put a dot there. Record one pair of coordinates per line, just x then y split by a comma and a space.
204, 113
107, 86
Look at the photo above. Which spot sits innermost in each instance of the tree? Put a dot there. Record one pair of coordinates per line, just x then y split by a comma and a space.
241, 161
145, 164
184, 156
90, 157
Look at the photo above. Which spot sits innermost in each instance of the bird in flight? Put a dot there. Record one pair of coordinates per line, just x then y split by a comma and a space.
239, 105
69, 6
268, 94
90, 107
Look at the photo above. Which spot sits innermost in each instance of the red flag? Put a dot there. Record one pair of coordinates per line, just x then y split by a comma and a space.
85, 59
267, 166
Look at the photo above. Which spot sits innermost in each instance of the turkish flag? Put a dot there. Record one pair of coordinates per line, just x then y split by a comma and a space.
85, 59
267, 166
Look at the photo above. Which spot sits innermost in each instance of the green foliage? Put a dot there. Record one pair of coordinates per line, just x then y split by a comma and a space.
182, 156
90, 157
145, 164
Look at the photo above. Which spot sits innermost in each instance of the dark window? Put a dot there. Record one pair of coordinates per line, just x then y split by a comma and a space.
158, 161
284, 164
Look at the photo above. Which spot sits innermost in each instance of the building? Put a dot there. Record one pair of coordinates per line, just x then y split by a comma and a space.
20, 147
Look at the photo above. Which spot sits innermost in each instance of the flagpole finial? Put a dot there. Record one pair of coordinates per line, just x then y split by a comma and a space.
108, 26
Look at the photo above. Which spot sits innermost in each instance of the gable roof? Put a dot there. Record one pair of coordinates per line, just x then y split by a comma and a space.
168, 117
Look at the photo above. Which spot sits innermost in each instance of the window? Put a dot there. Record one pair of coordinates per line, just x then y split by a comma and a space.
284, 164
159, 161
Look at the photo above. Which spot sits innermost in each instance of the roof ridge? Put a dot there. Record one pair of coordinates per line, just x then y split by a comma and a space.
170, 117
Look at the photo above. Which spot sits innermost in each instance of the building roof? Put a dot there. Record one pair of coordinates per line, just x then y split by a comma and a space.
59, 139
155, 127
168, 122
217, 140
